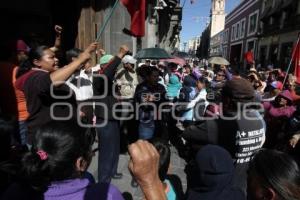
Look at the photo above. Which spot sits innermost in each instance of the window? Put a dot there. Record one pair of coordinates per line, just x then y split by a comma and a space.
232, 33
225, 37
252, 25
243, 28
237, 34
225, 49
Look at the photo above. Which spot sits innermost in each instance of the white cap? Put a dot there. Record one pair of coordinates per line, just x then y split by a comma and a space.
128, 59
140, 64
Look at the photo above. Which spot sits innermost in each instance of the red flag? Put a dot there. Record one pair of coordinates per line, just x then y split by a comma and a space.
137, 11
296, 60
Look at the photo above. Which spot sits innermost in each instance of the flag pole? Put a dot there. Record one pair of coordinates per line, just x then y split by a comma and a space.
290, 64
106, 21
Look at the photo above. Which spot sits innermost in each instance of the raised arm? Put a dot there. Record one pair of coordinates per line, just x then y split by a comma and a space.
61, 75
144, 167
58, 30
110, 69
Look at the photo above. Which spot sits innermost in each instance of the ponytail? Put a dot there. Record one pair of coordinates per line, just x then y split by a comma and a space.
56, 148
36, 171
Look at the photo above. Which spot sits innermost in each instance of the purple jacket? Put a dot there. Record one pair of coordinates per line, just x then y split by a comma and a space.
75, 189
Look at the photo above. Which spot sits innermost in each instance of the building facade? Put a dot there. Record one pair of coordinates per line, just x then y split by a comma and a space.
241, 31
203, 49
34, 20
193, 45
280, 26
216, 45
217, 17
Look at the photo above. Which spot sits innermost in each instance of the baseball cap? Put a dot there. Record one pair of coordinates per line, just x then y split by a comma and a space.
105, 59
239, 89
128, 59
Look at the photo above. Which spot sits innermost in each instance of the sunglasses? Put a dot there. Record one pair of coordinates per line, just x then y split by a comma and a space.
221, 75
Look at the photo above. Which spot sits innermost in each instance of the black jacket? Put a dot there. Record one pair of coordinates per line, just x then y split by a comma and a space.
100, 86
241, 137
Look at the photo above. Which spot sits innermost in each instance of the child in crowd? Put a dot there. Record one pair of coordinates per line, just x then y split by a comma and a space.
171, 191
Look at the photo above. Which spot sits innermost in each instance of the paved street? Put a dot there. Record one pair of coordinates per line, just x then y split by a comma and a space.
177, 168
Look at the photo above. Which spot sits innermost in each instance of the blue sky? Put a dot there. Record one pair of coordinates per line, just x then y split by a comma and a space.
195, 15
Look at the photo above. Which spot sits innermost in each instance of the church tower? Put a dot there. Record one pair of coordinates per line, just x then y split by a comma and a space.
217, 16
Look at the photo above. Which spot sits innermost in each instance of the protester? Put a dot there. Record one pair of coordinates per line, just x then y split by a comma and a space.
108, 127
291, 86
239, 129
219, 80
143, 163
149, 95
277, 115
173, 87
55, 166
174, 70
126, 78
273, 175
43, 83
61, 153
12, 100
164, 73
22, 51
81, 81
81, 84
192, 96
214, 176
187, 70
271, 91
172, 188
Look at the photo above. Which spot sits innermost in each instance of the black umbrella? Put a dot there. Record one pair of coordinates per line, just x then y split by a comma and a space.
152, 53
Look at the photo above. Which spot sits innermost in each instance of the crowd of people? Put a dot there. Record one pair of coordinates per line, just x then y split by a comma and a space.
238, 130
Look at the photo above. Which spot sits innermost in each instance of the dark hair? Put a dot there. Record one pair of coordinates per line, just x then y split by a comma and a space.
172, 65
164, 158
34, 54
278, 171
64, 143
187, 66
150, 70
203, 80
72, 53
